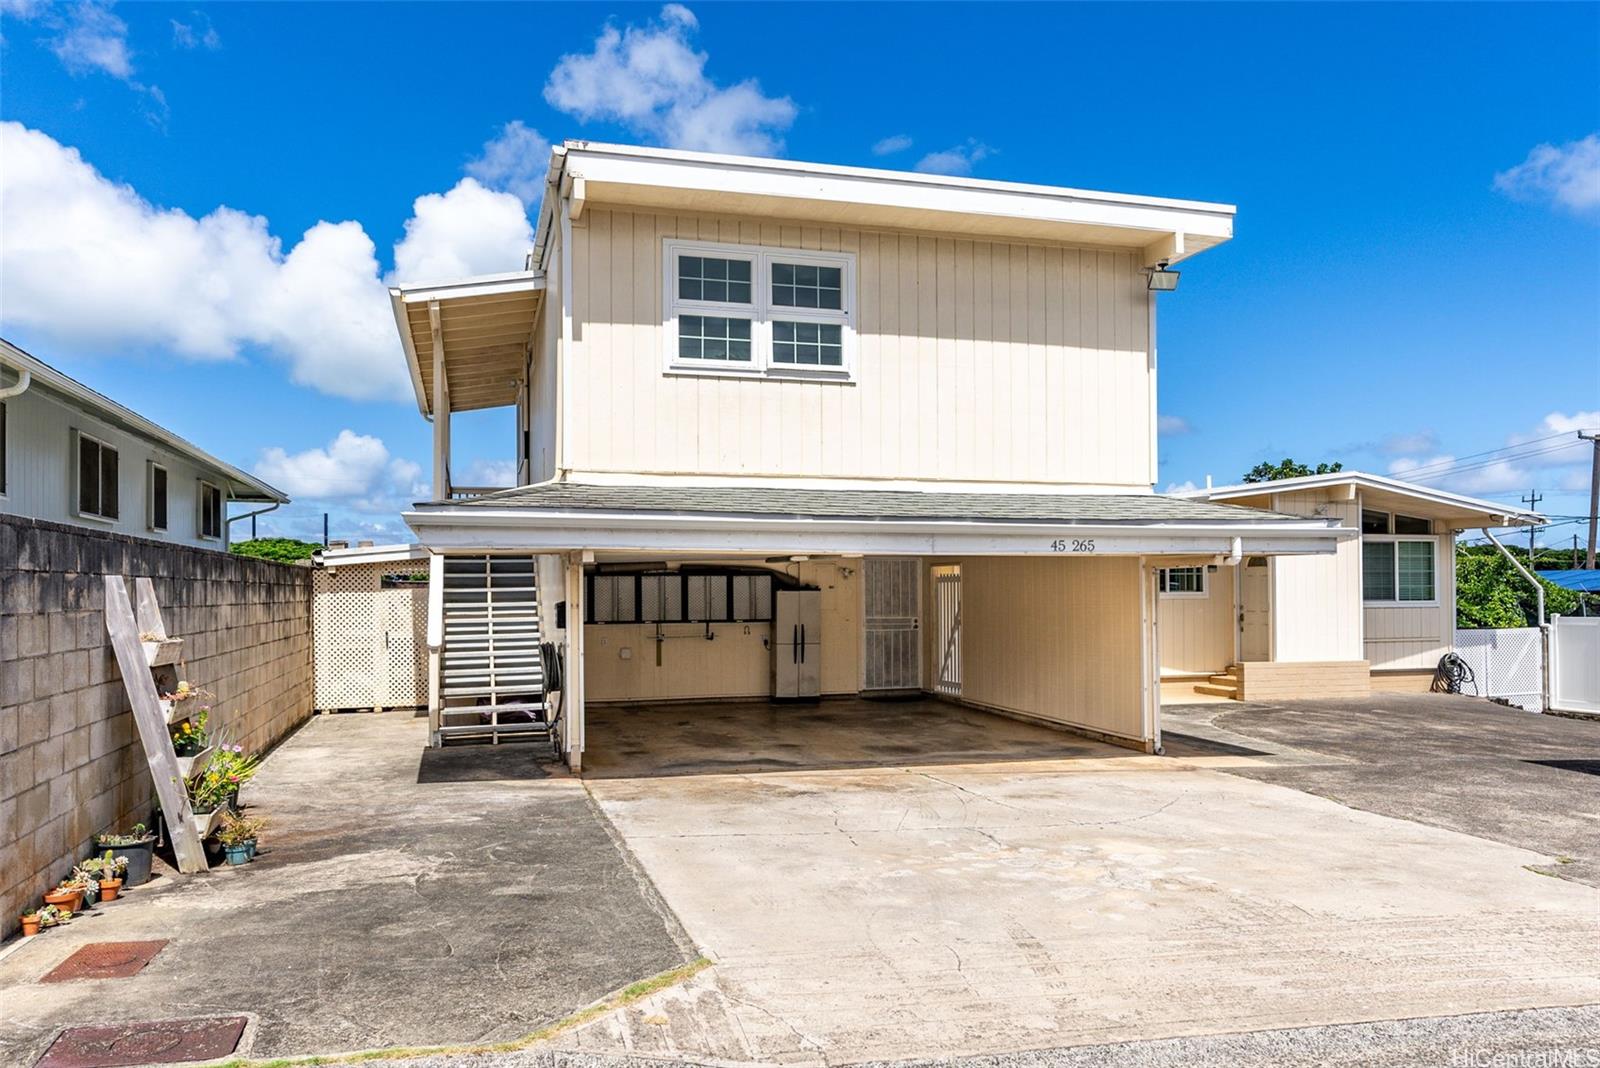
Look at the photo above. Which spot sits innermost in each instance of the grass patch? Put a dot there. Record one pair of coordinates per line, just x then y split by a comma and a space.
626, 996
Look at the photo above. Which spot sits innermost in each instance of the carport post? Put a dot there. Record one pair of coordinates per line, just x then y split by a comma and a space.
572, 699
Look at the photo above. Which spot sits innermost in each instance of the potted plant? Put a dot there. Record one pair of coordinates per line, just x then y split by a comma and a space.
31, 922
136, 847
109, 870
88, 881
237, 836
68, 897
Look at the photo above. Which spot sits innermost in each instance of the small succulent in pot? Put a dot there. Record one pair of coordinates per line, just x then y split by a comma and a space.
137, 847
30, 922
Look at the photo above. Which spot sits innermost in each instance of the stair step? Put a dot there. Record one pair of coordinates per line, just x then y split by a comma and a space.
1217, 691
1225, 680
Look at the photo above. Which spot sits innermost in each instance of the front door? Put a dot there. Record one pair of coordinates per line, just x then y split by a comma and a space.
1255, 599
892, 594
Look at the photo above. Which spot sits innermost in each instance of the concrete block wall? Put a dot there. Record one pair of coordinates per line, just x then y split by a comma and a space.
71, 764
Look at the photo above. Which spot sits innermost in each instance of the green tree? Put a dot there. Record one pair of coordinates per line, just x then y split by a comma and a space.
282, 550
1490, 593
1287, 468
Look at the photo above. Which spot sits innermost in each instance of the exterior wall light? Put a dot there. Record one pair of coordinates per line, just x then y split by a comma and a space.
1162, 280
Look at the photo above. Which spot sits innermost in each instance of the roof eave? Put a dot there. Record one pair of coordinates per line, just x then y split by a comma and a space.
1491, 509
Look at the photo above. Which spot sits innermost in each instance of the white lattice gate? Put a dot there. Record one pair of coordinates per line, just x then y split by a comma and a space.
369, 636
947, 606
1505, 663
1575, 664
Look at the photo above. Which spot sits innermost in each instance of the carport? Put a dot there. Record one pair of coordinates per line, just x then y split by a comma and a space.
1039, 607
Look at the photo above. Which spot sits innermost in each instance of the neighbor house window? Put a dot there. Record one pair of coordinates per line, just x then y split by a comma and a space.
1394, 568
743, 309
97, 478
210, 511
2, 450
1181, 581
156, 505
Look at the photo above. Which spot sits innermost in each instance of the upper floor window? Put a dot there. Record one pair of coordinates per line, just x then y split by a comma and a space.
97, 478
156, 502
210, 523
743, 309
1181, 581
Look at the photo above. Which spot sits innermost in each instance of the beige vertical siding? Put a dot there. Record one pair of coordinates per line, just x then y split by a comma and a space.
1055, 639
1316, 600
543, 382
1415, 637
1197, 632
977, 360
735, 664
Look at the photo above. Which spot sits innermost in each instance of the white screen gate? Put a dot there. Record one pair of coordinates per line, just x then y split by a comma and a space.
1505, 663
1575, 664
890, 625
947, 606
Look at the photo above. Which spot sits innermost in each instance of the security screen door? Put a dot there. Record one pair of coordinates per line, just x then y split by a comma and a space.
893, 660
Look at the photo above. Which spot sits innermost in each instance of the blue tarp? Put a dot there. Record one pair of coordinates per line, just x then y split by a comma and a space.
1580, 581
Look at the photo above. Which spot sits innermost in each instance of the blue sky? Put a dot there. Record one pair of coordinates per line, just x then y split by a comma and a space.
1415, 276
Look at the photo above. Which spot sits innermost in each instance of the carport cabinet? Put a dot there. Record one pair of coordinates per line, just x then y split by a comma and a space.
797, 645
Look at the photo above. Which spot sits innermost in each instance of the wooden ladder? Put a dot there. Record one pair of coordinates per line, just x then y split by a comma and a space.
144, 651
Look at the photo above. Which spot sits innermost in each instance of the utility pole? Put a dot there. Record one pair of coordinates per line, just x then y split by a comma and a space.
324, 530
1532, 501
1593, 437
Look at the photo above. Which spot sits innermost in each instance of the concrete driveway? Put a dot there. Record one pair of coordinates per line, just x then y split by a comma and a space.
998, 905
1462, 763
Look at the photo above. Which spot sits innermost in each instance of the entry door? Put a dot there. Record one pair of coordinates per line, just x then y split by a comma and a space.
893, 660
1255, 600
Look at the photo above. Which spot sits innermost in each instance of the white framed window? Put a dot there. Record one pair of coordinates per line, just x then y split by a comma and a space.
1181, 581
2, 450
1398, 570
155, 496
210, 520
756, 310
98, 471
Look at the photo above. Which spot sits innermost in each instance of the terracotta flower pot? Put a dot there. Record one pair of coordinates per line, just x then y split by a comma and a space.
67, 900
30, 927
109, 889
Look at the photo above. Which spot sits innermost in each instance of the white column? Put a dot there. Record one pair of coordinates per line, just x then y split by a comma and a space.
435, 642
572, 699
441, 408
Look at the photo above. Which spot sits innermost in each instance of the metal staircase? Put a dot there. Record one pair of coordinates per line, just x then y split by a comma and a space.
491, 680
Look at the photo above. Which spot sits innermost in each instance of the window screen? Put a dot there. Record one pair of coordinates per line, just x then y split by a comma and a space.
1377, 571
1182, 580
1410, 524
1374, 522
210, 511
813, 344
1414, 568
660, 598
806, 285
710, 278
2, 448
97, 479
713, 337
158, 497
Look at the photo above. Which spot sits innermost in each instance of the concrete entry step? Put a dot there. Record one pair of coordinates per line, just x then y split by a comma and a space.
1214, 690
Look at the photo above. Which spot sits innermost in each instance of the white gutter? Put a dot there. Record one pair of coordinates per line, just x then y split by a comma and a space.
1544, 629
17, 389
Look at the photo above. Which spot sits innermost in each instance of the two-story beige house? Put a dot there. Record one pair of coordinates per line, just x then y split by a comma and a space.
793, 430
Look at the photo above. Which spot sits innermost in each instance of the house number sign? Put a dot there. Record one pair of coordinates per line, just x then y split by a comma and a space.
1072, 545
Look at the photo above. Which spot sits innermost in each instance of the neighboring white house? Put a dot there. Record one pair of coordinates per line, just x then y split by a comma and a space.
70, 455
1378, 614
758, 399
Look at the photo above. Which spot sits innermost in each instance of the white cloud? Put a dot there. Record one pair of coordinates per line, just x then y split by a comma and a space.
1409, 444
92, 38
514, 162
92, 266
650, 79
355, 470
469, 230
957, 161
1171, 425
1180, 487
1542, 460
890, 145
491, 473
1568, 175
196, 33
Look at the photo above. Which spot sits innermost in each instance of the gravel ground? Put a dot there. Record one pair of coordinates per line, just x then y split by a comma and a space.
1531, 1038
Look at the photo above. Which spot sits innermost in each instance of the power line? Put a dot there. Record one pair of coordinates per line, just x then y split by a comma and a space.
1503, 448
1453, 467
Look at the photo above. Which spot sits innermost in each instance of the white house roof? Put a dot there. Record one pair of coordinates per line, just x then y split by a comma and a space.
483, 324
240, 486
370, 554
1380, 491
657, 179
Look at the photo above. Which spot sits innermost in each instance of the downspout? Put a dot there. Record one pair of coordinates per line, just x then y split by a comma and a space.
19, 387
1544, 630
250, 515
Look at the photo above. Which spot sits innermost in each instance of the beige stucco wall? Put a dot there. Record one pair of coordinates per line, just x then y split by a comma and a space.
1055, 639
978, 360
1196, 633
736, 663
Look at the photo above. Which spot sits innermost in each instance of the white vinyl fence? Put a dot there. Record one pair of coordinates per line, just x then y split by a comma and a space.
1575, 664
1505, 663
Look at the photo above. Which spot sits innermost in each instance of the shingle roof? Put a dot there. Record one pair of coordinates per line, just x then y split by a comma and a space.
795, 502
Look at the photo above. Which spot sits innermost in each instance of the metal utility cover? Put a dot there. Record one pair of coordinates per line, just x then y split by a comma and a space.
150, 1042
106, 960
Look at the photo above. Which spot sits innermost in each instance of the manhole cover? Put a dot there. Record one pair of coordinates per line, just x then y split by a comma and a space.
151, 1042
106, 960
